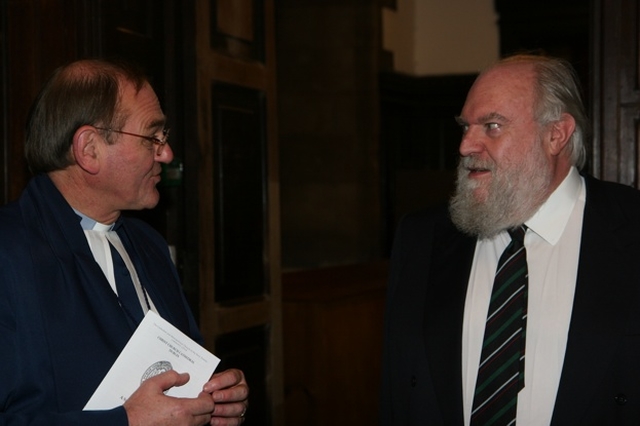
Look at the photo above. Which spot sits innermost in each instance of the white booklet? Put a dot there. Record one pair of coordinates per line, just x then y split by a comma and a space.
155, 347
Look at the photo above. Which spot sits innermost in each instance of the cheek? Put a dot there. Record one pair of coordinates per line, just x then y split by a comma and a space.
131, 177
513, 152
138, 165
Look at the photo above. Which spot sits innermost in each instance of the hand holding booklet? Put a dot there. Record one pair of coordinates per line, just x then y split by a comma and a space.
155, 347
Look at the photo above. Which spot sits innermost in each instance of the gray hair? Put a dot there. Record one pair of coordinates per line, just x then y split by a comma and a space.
559, 91
80, 93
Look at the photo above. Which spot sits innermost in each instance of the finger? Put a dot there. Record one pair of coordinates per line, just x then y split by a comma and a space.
234, 409
225, 379
238, 393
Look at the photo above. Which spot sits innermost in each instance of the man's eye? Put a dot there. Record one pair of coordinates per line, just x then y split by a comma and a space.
464, 128
492, 126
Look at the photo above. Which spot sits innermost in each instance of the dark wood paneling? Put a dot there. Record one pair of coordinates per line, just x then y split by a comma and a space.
135, 30
240, 192
333, 344
328, 57
616, 111
33, 48
237, 29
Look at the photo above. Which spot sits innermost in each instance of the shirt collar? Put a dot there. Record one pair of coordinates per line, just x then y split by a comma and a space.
552, 217
89, 224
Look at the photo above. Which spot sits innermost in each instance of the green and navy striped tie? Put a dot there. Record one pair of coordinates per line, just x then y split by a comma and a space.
501, 370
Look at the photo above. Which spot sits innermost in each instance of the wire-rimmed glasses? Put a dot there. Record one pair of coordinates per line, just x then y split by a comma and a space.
153, 139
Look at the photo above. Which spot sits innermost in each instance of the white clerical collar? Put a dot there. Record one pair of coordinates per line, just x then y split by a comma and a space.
551, 218
89, 224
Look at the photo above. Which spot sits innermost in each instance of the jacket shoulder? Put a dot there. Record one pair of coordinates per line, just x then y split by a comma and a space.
12, 224
613, 198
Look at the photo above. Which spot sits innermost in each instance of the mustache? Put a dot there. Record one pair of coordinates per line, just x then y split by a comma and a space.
474, 163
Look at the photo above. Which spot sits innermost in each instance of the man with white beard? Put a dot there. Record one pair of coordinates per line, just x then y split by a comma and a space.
546, 334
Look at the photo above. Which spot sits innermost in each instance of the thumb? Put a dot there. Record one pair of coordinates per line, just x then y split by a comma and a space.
168, 379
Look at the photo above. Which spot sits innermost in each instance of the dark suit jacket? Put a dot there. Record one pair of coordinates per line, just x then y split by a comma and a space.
431, 262
61, 327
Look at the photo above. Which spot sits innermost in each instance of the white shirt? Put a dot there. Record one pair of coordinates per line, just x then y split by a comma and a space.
553, 245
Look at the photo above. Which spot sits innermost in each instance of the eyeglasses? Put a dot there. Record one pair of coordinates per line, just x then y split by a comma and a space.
154, 140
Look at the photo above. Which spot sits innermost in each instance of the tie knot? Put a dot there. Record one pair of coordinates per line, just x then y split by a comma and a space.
517, 234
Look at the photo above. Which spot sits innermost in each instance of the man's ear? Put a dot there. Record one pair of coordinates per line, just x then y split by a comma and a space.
87, 142
560, 132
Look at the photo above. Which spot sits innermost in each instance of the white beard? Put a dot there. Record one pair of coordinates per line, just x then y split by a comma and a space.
513, 194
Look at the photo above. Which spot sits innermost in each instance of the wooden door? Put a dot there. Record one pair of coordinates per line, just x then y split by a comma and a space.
616, 86
237, 185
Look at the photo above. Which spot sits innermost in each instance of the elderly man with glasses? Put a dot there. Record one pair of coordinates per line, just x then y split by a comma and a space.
96, 138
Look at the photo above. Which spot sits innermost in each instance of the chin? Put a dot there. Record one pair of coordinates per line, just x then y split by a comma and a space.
480, 195
152, 205
151, 201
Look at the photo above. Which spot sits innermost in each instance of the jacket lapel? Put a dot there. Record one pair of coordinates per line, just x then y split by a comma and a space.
444, 311
155, 273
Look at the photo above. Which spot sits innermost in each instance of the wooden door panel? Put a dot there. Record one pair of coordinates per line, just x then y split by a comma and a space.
616, 84
237, 183
239, 193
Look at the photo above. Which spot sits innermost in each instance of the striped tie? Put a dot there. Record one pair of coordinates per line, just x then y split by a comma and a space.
501, 371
